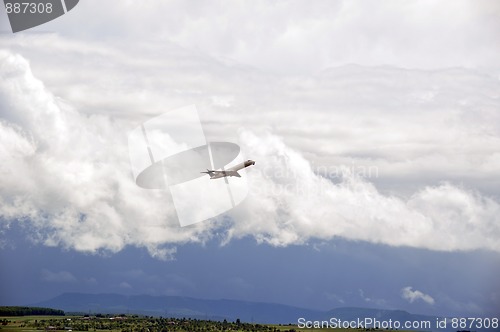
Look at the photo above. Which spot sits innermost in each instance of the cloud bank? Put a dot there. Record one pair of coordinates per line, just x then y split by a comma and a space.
290, 204
300, 37
65, 173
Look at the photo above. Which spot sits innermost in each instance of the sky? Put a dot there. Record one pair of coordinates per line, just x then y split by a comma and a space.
375, 128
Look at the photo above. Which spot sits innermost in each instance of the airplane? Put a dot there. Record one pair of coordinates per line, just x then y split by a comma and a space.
232, 171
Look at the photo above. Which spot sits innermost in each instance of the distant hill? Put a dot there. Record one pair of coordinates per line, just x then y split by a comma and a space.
178, 306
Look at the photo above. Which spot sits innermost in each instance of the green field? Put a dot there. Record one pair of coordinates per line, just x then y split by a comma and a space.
124, 323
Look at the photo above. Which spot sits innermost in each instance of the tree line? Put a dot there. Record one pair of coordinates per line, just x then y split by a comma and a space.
29, 311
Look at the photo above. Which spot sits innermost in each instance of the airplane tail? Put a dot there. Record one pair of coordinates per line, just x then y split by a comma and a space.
209, 172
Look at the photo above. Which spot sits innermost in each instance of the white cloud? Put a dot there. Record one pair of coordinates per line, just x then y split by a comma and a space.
411, 295
164, 254
61, 276
298, 37
290, 204
66, 173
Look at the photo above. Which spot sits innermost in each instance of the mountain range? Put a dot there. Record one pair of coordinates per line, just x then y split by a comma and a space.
259, 312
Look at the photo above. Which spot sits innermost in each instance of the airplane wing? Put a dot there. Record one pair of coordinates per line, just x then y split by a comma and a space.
221, 174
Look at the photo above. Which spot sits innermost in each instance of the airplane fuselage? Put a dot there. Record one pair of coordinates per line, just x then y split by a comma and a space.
231, 171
